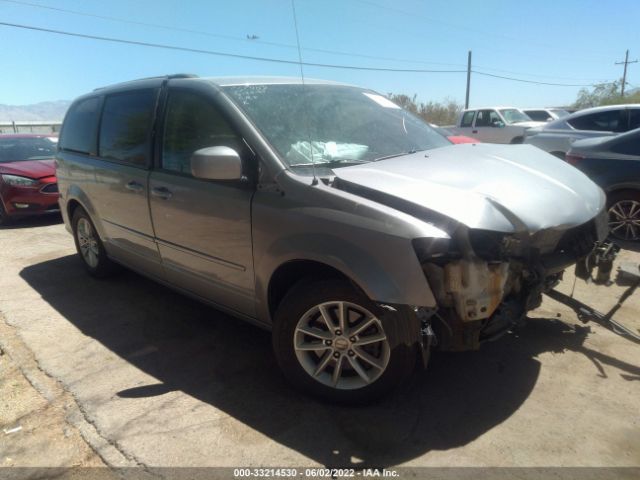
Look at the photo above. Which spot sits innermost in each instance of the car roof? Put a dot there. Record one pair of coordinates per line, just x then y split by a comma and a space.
605, 108
495, 107
223, 81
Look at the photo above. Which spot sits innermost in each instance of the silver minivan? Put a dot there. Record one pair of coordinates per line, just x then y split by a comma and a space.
362, 238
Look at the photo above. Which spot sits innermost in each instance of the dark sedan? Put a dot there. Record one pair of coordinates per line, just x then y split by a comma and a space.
27, 176
614, 164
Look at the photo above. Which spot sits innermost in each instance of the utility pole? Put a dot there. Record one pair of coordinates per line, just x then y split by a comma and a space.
624, 75
466, 99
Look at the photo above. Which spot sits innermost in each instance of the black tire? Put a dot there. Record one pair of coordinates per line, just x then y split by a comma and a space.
517, 140
4, 218
623, 198
401, 328
103, 266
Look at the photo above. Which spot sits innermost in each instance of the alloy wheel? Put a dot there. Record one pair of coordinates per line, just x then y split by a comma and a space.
341, 345
624, 220
88, 242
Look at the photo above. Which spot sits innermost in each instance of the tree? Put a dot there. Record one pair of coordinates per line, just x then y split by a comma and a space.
605, 94
438, 113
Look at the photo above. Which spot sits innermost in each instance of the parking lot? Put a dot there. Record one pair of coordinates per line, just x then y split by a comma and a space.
149, 377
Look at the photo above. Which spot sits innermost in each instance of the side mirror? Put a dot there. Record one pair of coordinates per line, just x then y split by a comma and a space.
497, 124
216, 163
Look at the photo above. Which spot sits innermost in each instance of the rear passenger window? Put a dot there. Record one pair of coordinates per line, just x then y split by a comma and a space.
610, 121
126, 123
193, 122
80, 125
467, 119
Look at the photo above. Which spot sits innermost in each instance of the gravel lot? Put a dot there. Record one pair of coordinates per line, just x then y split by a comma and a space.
140, 375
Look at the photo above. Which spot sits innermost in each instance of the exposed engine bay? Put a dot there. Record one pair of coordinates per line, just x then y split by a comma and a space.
485, 282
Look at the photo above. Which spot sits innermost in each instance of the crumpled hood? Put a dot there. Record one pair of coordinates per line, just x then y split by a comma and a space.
30, 168
503, 188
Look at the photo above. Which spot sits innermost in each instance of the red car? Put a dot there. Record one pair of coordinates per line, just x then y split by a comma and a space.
27, 176
454, 137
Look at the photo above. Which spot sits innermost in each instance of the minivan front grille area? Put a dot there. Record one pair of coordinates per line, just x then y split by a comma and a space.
50, 188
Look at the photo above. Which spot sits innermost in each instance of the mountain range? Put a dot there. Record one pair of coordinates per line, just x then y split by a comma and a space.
45, 111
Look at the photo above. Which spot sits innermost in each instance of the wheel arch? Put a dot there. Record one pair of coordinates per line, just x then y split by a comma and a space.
292, 272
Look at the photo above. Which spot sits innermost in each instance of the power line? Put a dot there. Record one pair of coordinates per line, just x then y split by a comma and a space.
457, 27
276, 60
226, 54
534, 81
226, 37
269, 43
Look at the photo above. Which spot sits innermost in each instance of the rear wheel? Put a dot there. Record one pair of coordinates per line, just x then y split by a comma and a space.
624, 215
332, 341
89, 246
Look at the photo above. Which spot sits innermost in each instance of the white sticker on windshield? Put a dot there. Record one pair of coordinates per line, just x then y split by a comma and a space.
380, 100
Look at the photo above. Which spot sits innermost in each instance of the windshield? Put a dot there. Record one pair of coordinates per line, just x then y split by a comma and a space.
512, 115
332, 124
17, 149
559, 112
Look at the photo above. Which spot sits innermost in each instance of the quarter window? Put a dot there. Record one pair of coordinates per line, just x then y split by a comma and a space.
193, 122
80, 125
125, 127
467, 118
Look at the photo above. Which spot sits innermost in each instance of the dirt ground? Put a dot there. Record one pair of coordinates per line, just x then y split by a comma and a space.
126, 373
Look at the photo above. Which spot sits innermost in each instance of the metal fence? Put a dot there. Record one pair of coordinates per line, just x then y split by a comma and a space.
31, 127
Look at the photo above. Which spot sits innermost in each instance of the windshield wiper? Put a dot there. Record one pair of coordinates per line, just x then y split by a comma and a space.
333, 163
398, 155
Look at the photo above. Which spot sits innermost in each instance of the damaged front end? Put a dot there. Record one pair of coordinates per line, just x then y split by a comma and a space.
485, 282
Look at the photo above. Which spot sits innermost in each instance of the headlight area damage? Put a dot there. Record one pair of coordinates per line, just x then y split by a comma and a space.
515, 217
485, 282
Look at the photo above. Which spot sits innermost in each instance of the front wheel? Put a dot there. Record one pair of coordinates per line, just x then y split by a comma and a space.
332, 341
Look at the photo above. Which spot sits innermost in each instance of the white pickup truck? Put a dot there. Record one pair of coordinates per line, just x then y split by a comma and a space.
495, 124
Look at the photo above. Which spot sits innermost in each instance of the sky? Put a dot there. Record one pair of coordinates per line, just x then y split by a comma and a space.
553, 41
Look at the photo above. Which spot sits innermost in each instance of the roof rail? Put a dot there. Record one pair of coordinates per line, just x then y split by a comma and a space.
168, 77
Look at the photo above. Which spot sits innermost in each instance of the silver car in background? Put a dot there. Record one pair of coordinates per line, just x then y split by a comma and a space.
358, 235
557, 136
545, 114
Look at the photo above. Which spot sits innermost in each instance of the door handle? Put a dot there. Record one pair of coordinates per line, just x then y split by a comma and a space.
161, 192
134, 186
474, 131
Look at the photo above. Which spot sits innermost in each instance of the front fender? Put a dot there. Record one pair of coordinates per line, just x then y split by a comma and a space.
393, 276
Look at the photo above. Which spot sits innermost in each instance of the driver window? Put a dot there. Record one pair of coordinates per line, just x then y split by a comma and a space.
193, 122
494, 118
484, 118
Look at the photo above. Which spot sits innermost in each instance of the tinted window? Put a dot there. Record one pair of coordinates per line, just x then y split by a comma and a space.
193, 122
538, 115
467, 119
486, 118
79, 132
628, 146
634, 118
125, 126
609, 121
